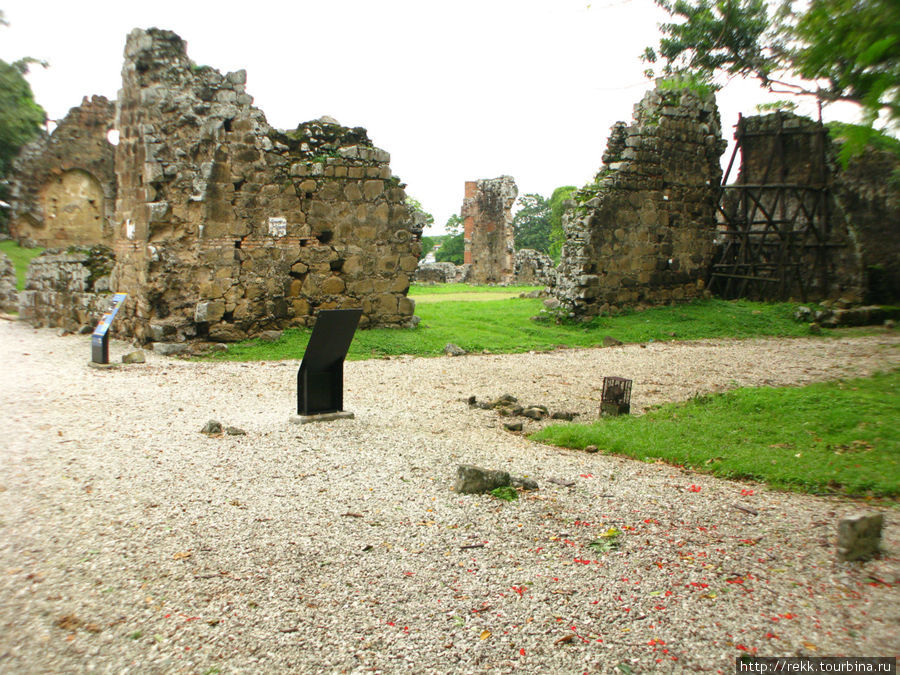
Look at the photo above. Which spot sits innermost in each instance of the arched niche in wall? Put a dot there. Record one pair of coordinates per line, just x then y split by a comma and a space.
74, 209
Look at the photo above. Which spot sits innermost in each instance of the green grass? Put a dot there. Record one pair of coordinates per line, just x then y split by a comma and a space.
416, 291
20, 258
831, 437
505, 326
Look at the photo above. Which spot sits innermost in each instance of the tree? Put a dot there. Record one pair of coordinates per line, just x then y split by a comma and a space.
422, 216
557, 208
21, 118
531, 224
453, 248
835, 50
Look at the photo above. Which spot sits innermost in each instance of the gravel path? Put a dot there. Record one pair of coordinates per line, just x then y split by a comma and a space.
130, 542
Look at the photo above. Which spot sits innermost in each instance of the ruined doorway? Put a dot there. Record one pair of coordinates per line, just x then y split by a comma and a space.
74, 209
780, 234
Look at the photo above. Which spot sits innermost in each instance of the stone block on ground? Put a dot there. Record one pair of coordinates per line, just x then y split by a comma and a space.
472, 479
859, 536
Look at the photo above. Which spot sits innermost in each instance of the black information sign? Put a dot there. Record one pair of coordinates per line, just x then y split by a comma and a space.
320, 379
100, 336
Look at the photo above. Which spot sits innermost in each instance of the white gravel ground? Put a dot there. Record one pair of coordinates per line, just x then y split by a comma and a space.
130, 542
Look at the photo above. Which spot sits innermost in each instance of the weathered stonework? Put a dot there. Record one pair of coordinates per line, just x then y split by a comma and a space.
440, 273
534, 268
643, 231
68, 288
226, 227
488, 231
868, 192
9, 296
63, 186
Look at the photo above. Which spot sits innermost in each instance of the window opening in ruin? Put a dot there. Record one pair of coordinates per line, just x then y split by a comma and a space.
238, 185
237, 243
325, 236
227, 125
336, 265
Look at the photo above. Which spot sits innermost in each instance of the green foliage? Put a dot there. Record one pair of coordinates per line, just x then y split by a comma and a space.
453, 247
506, 326
855, 138
678, 82
836, 50
415, 205
608, 541
531, 224
836, 436
20, 257
506, 493
557, 208
776, 106
428, 244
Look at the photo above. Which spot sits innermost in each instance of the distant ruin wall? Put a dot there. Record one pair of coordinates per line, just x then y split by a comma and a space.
534, 268
63, 186
9, 296
68, 288
643, 231
488, 232
226, 226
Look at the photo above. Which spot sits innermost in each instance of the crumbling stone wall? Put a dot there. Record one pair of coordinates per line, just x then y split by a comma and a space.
226, 226
534, 268
440, 273
643, 231
9, 296
488, 232
784, 149
68, 288
868, 192
63, 186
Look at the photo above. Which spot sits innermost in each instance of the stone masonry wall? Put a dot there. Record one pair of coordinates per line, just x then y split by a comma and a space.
488, 232
9, 297
868, 192
226, 226
643, 231
534, 267
63, 186
68, 288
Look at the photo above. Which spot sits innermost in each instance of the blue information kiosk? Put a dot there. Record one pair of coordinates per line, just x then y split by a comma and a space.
100, 336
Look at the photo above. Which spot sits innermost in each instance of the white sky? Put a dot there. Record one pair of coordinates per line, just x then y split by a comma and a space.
455, 90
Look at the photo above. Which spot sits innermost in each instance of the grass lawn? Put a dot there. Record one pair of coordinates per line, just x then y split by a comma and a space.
20, 258
841, 437
505, 326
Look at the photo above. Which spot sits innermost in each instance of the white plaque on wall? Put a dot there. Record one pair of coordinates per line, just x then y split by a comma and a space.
277, 226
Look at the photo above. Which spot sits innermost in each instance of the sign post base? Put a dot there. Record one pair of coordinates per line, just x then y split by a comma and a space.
321, 417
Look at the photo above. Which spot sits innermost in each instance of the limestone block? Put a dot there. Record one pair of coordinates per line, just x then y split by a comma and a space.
406, 306
859, 536
409, 263
300, 307
373, 189
352, 192
333, 285
386, 304
209, 311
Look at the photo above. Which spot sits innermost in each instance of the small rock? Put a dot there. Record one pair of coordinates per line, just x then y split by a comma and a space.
212, 427
513, 426
803, 314
85, 330
135, 357
235, 431
552, 303
218, 347
504, 401
535, 412
472, 479
566, 415
523, 482
610, 341
815, 329
472, 401
889, 324
859, 536
170, 348
451, 349
591, 449
270, 335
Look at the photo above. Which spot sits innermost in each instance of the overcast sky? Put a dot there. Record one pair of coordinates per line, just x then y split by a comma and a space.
455, 90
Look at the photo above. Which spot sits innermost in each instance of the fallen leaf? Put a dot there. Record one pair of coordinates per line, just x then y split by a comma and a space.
565, 639
485, 634
182, 555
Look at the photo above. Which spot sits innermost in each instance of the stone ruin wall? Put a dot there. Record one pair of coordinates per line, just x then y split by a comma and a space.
488, 232
643, 231
868, 192
227, 227
797, 157
221, 225
9, 296
534, 268
63, 190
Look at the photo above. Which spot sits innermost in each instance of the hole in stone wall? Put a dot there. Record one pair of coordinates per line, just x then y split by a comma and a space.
238, 185
228, 317
237, 243
336, 265
325, 236
227, 125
